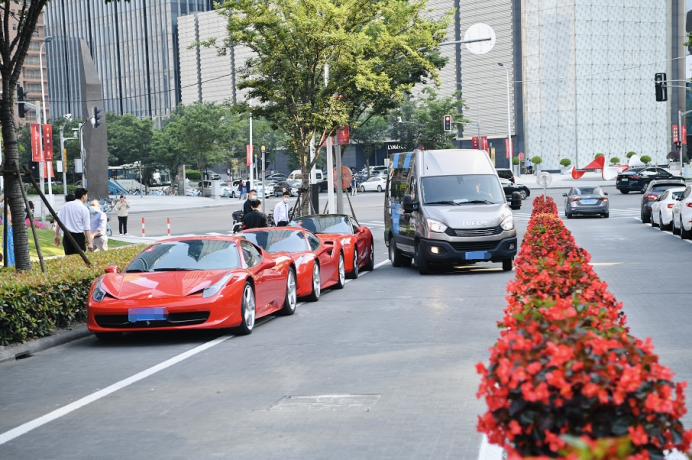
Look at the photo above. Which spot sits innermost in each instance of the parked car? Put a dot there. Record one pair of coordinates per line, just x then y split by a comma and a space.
653, 190
637, 179
281, 186
234, 282
320, 264
276, 177
682, 215
586, 200
662, 208
374, 184
505, 173
356, 241
509, 187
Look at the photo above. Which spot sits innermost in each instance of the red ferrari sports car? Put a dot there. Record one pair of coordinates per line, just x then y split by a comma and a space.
201, 282
319, 264
356, 241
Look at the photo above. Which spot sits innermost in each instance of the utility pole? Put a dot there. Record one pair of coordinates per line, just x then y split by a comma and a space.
64, 153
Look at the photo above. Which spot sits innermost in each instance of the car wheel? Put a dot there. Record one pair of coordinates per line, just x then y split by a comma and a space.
353, 274
316, 283
624, 192
291, 299
523, 194
568, 215
646, 218
676, 230
362, 189
396, 257
379, 188
506, 265
606, 214
247, 310
660, 225
341, 273
371, 259
685, 234
108, 336
421, 263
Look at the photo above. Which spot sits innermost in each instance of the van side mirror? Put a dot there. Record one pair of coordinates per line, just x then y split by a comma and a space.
409, 204
515, 203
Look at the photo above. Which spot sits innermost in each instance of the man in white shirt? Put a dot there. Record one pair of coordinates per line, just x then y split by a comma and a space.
281, 211
75, 217
98, 226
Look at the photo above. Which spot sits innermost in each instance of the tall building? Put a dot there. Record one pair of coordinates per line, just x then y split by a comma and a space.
134, 46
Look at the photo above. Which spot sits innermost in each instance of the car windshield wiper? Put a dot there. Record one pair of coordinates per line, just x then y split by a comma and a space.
176, 269
478, 202
136, 270
453, 203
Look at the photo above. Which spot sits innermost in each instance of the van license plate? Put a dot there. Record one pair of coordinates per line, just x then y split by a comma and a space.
477, 255
146, 314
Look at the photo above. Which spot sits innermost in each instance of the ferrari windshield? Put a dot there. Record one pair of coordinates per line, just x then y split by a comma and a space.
326, 224
462, 189
278, 240
186, 255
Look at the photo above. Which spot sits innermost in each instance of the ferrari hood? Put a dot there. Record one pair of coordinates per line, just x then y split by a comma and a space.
161, 285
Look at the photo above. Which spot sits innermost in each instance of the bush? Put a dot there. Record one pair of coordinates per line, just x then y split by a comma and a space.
536, 160
646, 159
58, 189
33, 304
515, 161
565, 162
193, 175
614, 160
631, 154
599, 155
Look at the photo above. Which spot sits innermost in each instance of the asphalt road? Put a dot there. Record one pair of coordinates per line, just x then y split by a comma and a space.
382, 369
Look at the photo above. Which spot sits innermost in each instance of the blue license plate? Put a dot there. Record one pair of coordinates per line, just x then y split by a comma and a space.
588, 201
146, 314
477, 255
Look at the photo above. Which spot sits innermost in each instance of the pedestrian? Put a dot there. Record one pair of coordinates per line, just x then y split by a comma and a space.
354, 186
10, 239
98, 226
122, 207
247, 206
255, 218
75, 217
527, 164
241, 190
281, 211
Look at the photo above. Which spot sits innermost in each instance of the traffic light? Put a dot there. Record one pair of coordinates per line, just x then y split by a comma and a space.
448, 123
661, 87
97, 117
21, 97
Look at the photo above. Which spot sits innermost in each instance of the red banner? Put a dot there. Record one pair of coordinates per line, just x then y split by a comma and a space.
48, 168
676, 136
475, 143
507, 148
683, 134
342, 136
484, 143
48, 142
35, 142
249, 150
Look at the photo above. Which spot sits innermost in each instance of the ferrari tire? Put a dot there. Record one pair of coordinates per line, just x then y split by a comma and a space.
341, 273
353, 274
108, 336
247, 310
316, 283
371, 259
291, 299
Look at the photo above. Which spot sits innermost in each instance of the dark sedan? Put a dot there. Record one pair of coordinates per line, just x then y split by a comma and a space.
637, 179
586, 200
510, 188
653, 191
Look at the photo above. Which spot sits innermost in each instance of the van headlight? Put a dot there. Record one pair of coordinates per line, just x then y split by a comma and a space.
435, 226
508, 223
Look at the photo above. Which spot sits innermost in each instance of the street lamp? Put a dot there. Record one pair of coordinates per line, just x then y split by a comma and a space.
509, 115
63, 155
45, 118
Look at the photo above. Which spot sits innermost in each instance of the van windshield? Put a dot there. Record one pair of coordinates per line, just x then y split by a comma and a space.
460, 190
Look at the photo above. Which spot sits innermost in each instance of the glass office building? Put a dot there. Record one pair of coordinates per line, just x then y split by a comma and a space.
134, 48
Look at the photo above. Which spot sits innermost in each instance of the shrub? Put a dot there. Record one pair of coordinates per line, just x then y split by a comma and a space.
515, 161
193, 175
536, 160
614, 160
599, 155
33, 304
646, 159
565, 162
631, 154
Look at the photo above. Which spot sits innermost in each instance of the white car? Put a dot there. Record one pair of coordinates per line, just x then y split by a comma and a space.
682, 215
374, 184
662, 208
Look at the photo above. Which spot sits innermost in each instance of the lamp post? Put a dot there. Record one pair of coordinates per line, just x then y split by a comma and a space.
263, 149
680, 115
49, 168
509, 116
68, 118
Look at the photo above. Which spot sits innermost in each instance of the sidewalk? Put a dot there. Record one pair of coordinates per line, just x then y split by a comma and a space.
590, 179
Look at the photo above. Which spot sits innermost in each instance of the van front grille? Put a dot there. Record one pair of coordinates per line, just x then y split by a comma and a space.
475, 246
472, 232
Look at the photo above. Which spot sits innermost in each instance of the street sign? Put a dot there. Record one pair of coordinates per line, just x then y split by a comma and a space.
480, 31
343, 136
35, 142
521, 156
248, 150
507, 148
48, 142
676, 135
544, 179
484, 143
475, 143
683, 134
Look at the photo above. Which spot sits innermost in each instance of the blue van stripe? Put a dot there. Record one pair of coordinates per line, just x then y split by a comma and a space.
395, 161
407, 160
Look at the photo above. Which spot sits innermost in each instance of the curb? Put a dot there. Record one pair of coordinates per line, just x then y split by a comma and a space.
26, 349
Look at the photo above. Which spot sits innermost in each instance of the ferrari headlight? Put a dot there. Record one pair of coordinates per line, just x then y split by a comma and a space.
216, 287
508, 223
435, 226
99, 293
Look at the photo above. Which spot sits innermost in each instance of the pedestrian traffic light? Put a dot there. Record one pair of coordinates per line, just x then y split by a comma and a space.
661, 87
97, 117
21, 97
448, 123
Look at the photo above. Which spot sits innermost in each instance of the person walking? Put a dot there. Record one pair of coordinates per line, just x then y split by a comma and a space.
247, 206
122, 207
98, 226
241, 190
281, 211
255, 218
75, 217
528, 166
10, 239
354, 186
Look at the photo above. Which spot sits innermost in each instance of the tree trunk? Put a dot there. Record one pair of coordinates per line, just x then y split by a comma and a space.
13, 193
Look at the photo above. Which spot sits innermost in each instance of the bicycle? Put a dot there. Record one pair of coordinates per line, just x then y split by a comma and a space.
106, 205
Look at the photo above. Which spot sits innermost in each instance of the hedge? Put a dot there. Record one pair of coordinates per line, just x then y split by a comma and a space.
33, 304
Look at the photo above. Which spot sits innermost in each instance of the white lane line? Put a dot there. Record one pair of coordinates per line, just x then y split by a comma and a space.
36, 423
375, 267
490, 451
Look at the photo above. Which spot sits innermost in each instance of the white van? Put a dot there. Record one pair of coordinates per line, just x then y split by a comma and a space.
447, 207
297, 174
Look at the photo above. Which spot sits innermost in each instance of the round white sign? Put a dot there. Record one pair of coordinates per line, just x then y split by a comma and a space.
544, 179
481, 32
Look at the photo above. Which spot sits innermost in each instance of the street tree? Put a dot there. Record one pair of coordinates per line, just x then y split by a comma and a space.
371, 135
375, 52
129, 138
14, 44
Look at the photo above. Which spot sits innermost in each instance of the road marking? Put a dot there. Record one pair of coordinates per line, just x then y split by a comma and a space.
604, 264
490, 451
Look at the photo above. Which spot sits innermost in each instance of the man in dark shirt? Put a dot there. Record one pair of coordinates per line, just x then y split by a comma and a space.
247, 206
255, 218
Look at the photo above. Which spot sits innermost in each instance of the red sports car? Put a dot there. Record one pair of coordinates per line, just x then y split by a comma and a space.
200, 282
319, 264
356, 241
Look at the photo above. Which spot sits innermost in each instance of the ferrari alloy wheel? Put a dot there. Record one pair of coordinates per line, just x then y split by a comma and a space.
341, 275
291, 299
316, 283
371, 259
247, 310
353, 274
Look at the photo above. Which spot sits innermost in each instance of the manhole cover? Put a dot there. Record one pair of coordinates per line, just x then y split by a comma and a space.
325, 403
